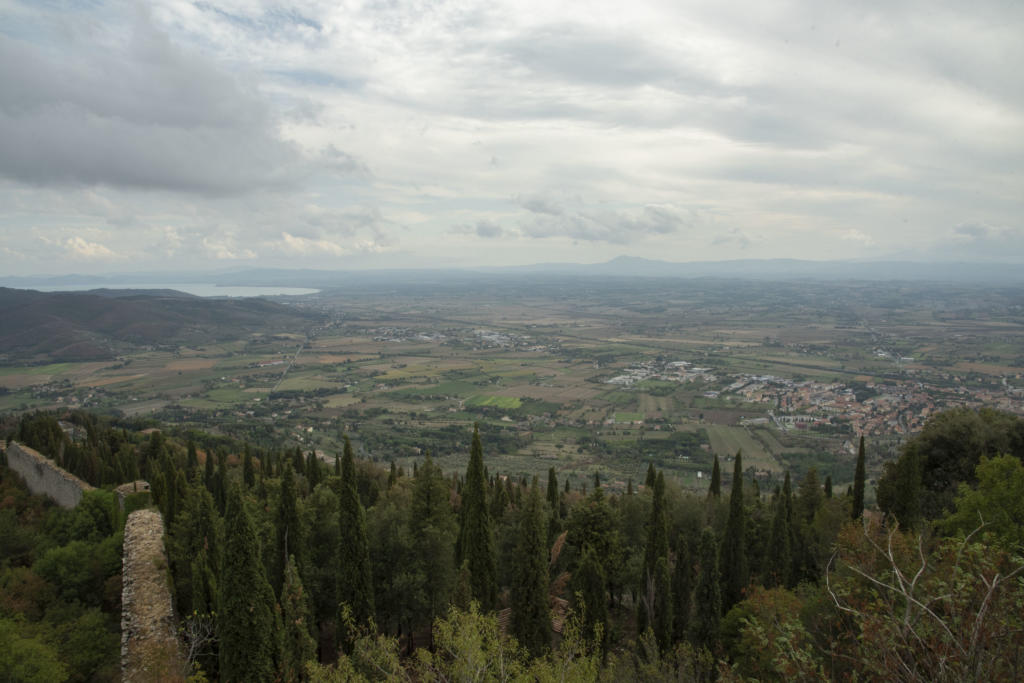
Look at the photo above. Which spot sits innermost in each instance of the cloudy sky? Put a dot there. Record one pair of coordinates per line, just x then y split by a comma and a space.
339, 134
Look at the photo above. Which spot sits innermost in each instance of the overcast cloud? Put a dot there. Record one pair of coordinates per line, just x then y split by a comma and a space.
178, 134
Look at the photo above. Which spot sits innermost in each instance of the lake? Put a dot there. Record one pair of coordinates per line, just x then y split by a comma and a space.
195, 289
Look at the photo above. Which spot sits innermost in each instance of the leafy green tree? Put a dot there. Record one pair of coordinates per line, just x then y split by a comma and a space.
26, 658
923, 482
476, 542
298, 646
531, 618
245, 618
996, 504
708, 595
857, 509
355, 583
733, 563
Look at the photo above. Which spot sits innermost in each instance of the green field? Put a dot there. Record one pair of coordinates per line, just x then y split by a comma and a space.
629, 417
503, 402
726, 440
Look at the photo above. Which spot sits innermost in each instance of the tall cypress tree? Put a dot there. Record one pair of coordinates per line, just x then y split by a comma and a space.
707, 597
476, 543
588, 587
298, 646
651, 477
290, 537
657, 529
248, 473
245, 617
531, 618
780, 560
828, 486
662, 619
433, 532
734, 546
192, 457
715, 489
552, 493
355, 585
682, 590
657, 547
857, 509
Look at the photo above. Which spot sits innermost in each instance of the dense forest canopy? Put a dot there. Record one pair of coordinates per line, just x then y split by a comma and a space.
288, 567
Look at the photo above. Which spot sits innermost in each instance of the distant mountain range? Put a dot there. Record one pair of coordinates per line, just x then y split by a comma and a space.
97, 325
623, 266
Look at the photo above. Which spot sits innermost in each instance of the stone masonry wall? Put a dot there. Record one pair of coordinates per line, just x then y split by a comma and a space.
44, 477
150, 650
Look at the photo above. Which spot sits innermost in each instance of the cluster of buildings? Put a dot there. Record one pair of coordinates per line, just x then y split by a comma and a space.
670, 371
898, 407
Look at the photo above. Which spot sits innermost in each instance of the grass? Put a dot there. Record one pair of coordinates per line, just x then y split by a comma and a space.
629, 417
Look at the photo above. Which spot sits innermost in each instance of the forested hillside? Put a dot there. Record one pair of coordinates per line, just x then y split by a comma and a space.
287, 567
97, 325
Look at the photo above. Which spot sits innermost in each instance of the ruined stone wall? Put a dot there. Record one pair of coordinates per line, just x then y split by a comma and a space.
150, 649
44, 477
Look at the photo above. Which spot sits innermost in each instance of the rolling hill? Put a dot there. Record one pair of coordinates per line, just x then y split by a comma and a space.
97, 325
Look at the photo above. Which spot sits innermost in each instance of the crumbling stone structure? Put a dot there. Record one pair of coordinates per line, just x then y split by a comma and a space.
44, 477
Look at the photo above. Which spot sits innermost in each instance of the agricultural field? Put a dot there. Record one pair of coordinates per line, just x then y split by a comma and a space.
584, 380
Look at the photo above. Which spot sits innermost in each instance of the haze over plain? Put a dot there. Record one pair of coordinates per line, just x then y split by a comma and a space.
193, 135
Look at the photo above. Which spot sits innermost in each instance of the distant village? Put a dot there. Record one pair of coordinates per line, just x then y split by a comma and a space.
894, 407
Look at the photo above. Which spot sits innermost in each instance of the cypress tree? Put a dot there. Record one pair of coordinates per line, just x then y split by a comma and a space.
780, 560
476, 543
857, 508
298, 462
629, 486
248, 473
662, 619
355, 585
589, 595
531, 618
433, 531
597, 480
708, 598
651, 476
290, 539
298, 646
567, 484
193, 457
682, 590
392, 475
337, 465
245, 617
828, 487
552, 492
716, 479
734, 546
657, 529
657, 547
313, 473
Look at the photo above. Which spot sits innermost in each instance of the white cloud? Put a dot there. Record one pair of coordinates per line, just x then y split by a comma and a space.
199, 132
78, 247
